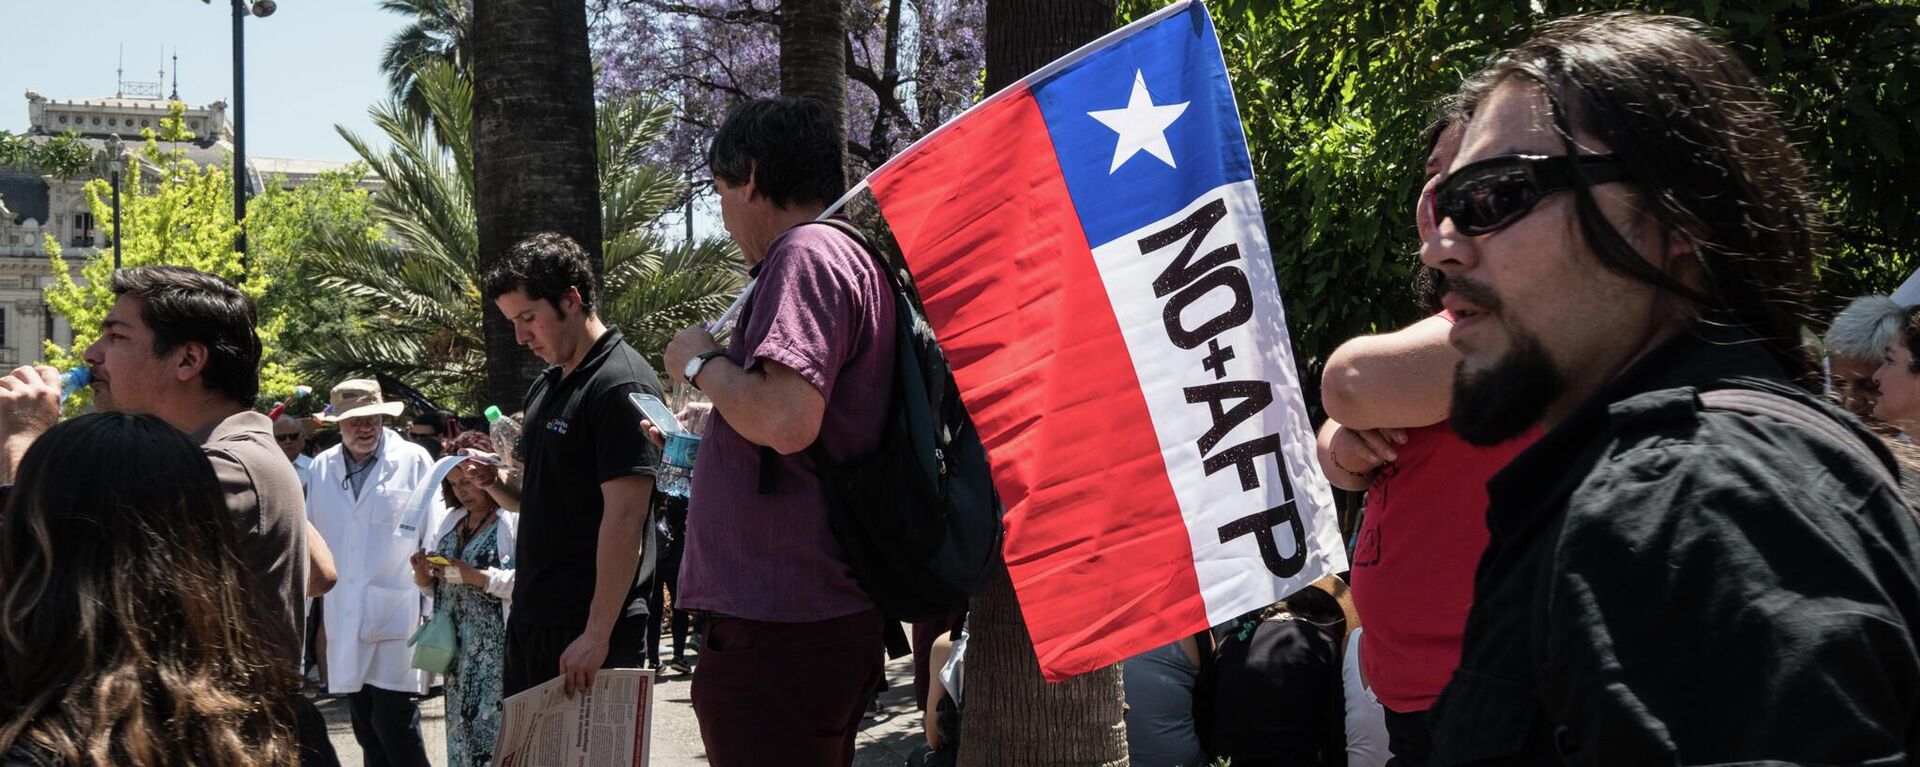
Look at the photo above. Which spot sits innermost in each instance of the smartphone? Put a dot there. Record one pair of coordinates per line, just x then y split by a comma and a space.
439, 560
657, 412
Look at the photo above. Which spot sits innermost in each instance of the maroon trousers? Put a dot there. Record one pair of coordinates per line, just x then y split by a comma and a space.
788, 694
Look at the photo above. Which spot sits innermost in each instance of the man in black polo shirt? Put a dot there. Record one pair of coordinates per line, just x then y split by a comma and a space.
577, 601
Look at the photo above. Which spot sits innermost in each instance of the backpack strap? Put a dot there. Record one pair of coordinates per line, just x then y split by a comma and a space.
1803, 416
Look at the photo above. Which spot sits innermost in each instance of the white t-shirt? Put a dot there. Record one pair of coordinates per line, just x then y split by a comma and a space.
952, 673
1366, 720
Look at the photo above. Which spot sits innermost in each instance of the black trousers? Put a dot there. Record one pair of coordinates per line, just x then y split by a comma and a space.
1408, 738
533, 652
310, 730
387, 725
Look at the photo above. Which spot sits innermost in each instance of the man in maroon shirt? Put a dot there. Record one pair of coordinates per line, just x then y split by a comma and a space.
792, 646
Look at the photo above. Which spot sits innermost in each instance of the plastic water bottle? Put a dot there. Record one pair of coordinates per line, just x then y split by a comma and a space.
676, 464
74, 380
506, 436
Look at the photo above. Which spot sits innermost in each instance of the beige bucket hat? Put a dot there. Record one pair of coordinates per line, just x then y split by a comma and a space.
358, 397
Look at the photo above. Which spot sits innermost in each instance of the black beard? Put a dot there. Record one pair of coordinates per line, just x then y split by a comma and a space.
1497, 405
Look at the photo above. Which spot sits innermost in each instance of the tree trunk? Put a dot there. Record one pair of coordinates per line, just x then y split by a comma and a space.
1025, 35
813, 55
534, 166
1013, 716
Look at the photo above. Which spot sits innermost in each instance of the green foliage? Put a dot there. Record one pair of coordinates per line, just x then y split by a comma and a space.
172, 211
62, 156
417, 291
282, 225
1336, 96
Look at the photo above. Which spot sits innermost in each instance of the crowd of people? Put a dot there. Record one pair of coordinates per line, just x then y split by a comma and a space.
1616, 510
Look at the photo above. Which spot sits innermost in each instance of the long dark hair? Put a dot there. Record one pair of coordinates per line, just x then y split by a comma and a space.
1705, 147
128, 631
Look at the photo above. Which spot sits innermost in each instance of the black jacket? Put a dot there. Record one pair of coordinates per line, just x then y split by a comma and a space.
1669, 584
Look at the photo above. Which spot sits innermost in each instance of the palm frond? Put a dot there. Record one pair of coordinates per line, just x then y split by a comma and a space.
420, 283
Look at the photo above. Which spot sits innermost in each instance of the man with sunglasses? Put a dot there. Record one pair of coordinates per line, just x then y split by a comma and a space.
1699, 562
292, 439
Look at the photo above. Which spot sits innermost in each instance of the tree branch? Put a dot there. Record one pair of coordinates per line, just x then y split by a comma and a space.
747, 16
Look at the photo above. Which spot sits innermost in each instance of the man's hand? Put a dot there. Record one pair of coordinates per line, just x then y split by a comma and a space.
581, 662
686, 345
29, 406
482, 473
654, 435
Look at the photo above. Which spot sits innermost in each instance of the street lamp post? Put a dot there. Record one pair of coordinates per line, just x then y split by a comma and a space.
242, 9
116, 161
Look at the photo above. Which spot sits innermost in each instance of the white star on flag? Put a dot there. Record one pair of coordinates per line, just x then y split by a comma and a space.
1141, 125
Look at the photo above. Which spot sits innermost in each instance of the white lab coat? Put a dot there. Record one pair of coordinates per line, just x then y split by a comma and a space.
375, 607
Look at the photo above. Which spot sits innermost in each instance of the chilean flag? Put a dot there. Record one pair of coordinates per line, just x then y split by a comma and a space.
1089, 248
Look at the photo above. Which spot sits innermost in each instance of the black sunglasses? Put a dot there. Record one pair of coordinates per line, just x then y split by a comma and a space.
1491, 194
285, 437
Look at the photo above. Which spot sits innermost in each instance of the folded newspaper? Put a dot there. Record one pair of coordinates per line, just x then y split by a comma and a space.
610, 724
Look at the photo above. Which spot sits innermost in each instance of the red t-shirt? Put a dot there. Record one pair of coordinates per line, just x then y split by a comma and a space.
1425, 527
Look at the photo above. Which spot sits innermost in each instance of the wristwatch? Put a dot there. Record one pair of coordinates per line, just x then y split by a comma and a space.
694, 365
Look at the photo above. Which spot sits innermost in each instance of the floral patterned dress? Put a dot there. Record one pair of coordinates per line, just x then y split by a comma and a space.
473, 681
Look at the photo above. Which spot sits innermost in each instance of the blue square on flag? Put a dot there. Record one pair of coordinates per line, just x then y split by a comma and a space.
1145, 126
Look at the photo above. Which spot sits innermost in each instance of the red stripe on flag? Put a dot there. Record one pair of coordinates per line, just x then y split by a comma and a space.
1096, 545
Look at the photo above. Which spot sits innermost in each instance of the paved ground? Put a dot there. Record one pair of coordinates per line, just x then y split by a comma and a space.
885, 737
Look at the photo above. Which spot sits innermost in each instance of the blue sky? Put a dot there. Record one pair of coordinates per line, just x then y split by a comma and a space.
311, 65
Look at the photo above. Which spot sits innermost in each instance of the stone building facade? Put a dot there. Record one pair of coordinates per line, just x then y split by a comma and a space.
34, 206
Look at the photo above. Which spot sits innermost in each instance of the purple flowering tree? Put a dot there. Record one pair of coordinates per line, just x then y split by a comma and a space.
911, 65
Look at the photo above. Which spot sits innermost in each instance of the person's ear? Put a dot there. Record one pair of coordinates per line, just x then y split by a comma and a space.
190, 360
1679, 255
570, 301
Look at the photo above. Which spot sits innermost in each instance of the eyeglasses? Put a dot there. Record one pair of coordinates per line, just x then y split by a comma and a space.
286, 437
1491, 194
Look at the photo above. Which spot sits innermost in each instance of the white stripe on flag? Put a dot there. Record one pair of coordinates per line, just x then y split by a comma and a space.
1200, 310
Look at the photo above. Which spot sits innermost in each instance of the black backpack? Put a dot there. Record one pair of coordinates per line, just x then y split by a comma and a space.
918, 517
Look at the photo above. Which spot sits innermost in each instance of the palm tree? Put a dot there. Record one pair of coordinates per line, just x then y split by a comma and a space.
1014, 717
438, 33
813, 55
420, 286
533, 149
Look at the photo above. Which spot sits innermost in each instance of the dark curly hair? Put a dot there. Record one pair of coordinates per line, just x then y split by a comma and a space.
544, 265
1703, 144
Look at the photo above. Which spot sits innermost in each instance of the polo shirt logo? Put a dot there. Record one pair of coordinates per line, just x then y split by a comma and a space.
557, 426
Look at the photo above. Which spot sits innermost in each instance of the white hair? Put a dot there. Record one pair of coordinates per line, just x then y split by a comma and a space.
1865, 328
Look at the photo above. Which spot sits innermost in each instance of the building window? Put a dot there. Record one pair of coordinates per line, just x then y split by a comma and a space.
113, 121
143, 123
63, 119
96, 121
83, 225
